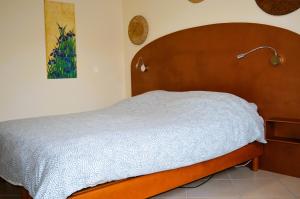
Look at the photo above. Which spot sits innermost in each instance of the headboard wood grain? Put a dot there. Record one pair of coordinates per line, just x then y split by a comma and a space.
204, 58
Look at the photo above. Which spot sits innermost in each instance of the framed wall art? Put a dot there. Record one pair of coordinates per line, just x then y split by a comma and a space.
60, 40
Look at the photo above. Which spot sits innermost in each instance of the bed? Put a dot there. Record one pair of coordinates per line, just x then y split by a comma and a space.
202, 59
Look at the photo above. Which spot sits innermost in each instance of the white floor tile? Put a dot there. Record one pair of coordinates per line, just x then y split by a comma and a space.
261, 188
214, 188
292, 184
224, 175
241, 183
221, 197
264, 197
246, 173
174, 194
197, 182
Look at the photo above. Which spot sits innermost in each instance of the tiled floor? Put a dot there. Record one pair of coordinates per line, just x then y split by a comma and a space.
240, 183
235, 183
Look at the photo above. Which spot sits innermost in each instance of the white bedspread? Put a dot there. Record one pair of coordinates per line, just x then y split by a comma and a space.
52, 157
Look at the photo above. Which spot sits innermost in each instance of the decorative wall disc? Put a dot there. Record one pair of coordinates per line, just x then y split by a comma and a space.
278, 7
196, 1
138, 30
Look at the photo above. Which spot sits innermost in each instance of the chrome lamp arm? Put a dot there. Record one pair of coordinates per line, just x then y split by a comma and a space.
275, 59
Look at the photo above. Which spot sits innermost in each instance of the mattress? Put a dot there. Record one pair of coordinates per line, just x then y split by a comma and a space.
55, 156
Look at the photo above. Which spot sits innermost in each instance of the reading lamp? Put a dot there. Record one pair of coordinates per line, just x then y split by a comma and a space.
275, 59
141, 65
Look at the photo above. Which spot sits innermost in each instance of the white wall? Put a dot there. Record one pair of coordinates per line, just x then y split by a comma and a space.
102, 47
166, 16
24, 88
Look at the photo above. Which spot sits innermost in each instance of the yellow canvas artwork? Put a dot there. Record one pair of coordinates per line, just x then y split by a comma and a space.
60, 40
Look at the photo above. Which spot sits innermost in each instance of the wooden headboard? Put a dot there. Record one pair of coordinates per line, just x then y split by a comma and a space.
204, 58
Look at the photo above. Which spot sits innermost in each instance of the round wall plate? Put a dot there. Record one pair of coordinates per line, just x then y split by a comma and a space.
278, 7
138, 30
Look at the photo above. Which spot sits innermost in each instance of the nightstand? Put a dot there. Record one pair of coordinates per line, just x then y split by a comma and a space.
282, 152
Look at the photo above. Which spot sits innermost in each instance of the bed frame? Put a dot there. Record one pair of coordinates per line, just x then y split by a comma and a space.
204, 58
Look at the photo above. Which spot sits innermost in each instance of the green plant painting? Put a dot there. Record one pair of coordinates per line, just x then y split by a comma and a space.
61, 54
62, 61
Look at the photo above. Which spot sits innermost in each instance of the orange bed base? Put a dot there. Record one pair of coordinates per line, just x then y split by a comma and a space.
149, 185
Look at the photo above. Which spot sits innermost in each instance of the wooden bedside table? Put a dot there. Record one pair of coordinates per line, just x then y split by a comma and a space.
282, 153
